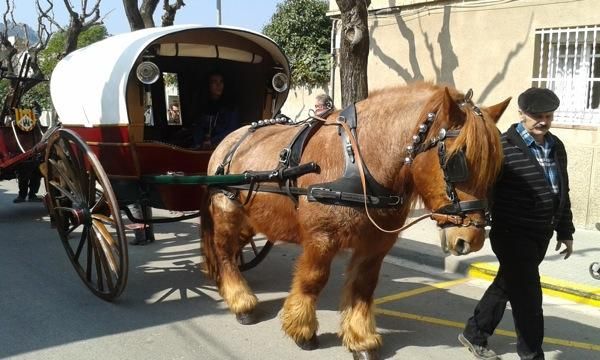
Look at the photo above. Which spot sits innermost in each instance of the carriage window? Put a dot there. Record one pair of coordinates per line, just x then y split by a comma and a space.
172, 98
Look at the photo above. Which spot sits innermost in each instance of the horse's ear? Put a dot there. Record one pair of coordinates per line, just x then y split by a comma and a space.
497, 110
451, 107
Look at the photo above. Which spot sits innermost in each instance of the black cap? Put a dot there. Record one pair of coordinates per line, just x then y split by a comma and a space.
538, 100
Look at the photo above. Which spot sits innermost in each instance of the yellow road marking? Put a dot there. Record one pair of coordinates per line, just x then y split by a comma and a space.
458, 325
579, 293
418, 291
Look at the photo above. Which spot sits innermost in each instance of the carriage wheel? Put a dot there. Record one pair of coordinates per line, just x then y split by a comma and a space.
253, 253
85, 211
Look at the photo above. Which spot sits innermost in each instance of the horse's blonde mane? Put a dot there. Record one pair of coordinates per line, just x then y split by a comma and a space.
479, 136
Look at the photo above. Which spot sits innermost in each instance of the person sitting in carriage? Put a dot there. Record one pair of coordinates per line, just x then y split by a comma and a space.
218, 117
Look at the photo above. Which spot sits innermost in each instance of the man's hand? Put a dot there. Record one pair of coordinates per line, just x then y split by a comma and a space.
569, 247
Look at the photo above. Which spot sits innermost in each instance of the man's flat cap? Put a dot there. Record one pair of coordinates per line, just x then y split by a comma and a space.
538, 100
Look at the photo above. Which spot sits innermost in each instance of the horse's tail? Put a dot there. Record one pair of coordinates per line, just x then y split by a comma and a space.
207, 236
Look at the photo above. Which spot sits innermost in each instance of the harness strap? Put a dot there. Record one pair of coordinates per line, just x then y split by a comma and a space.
298, 144
347, 190
274, 189
227, 160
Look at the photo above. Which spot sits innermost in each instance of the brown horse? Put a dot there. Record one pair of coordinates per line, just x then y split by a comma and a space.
387, 123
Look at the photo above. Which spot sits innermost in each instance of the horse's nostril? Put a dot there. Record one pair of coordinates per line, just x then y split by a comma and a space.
462, 247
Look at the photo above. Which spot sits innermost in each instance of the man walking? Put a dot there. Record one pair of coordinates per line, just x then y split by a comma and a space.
530, 202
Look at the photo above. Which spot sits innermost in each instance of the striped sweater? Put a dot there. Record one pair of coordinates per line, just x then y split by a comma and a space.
522, 195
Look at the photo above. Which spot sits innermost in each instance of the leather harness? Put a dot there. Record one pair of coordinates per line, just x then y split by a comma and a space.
345, 191
348, 189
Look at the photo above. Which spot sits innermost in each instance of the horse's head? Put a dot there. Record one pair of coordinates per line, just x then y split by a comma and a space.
454, 160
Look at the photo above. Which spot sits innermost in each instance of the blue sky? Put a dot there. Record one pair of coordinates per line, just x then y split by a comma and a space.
250, 14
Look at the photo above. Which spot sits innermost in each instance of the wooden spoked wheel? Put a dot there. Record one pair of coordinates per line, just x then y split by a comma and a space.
85, 211
253, 253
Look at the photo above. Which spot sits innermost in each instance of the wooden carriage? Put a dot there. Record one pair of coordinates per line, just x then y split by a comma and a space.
115, 144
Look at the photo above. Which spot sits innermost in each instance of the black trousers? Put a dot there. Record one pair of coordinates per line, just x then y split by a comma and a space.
518, 280
29, 179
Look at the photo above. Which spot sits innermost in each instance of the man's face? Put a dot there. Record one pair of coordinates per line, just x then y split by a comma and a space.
319, 108
216, 86
537, 125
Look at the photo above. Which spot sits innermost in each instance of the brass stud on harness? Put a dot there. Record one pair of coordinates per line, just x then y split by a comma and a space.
408, 160
422, 128
416, 139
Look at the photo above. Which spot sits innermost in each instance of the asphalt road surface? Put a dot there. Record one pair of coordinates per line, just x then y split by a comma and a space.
170, 310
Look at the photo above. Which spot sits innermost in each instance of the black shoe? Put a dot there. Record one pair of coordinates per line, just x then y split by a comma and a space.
34, 198
479, 351
19, 199
141, 238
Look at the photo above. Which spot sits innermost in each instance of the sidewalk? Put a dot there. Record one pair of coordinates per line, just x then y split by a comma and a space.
569, 279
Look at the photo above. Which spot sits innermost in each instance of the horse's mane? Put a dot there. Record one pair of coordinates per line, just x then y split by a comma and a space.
479, 136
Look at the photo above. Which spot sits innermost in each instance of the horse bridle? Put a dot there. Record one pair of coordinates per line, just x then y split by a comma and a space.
455, 170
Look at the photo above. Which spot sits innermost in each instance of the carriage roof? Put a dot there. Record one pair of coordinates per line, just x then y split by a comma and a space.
89, 86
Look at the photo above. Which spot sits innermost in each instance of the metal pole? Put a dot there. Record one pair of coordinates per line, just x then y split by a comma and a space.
218, 12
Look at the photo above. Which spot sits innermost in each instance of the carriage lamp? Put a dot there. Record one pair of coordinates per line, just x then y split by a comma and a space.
280, 82
147, 72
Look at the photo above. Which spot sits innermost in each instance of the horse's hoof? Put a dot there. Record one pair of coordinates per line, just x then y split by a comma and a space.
366, 355
310, 344
245, 318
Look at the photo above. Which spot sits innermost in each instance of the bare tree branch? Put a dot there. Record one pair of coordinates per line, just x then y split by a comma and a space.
168, 17
147, 12
79, 22
133, 15
8, 48
142, 17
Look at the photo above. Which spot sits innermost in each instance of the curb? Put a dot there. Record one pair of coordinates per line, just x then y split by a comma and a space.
578, 293
422, 254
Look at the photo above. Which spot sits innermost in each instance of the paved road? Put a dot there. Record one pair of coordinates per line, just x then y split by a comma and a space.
169, 310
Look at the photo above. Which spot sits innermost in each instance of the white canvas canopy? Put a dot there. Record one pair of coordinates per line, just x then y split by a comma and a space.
88, 86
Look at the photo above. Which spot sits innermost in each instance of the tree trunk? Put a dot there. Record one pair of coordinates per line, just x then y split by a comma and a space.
354, 50
133, 15
147, 11
72, 35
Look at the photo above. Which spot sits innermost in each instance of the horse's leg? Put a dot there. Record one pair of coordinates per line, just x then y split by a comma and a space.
358, 330
299, 318
221, 242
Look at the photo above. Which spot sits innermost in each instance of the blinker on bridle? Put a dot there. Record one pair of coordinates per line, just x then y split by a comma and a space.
455, 169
